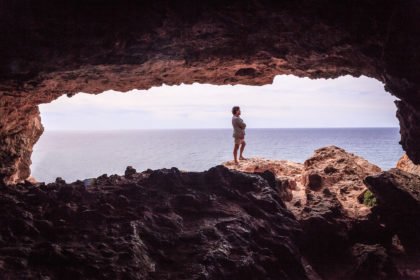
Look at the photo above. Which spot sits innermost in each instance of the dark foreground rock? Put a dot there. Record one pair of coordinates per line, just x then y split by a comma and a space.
218, 224
372, 262
162, 224
398, 196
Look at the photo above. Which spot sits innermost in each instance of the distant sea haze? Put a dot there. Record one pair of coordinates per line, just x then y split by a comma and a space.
76, 155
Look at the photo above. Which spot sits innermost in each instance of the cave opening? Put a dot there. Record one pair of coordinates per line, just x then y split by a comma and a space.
167, 224
189, 126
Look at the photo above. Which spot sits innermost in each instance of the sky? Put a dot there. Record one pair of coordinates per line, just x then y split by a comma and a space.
287, 103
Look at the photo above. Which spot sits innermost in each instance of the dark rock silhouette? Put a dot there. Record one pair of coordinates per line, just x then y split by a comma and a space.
162, 224
64, 47
372, 262
398, 196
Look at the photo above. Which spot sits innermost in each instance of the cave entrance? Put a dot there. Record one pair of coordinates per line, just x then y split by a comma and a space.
188, 126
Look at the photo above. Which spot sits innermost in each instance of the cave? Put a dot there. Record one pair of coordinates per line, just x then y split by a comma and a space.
54, 48
50, 49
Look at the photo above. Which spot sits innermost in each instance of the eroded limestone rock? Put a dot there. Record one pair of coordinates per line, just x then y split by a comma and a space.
342, 173
331, 171
405, 164
332, 217
54, 48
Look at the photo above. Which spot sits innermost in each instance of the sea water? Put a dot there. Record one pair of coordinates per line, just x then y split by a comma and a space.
76, 155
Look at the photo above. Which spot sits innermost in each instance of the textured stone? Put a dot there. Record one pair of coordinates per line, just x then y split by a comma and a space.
405, 164
334, 222
168, 224
398, 196
282, 175
313, 181
163, 224
329, 172
372, 262
340, 172
64, 47
130, 171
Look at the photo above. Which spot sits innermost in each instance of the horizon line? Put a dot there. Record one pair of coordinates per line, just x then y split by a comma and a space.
224, 128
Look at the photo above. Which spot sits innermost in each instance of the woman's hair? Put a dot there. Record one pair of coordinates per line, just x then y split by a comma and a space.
235, 109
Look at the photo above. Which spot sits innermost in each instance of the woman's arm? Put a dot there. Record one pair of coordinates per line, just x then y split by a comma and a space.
242, 124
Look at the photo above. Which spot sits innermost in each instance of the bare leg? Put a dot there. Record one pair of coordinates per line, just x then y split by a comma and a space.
235, 152
242, 150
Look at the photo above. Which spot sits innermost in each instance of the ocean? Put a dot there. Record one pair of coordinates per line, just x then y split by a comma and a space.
74, 155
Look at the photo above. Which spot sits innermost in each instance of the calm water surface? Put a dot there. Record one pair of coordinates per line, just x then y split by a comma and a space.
80, 155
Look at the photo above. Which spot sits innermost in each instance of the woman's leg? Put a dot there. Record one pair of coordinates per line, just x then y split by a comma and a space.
235, 152
242, 150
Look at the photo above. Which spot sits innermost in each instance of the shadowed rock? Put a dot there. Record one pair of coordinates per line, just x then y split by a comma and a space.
372, 262
217, 224
162, 224
62, 47
398, 196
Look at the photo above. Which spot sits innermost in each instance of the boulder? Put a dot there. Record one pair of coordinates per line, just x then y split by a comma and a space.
372, 262
325, 227
129, 171
342, 173
398, 197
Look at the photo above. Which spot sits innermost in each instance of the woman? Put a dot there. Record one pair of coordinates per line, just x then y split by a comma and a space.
238, 134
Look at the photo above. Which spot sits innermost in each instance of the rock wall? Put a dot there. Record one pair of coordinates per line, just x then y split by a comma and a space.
51, 48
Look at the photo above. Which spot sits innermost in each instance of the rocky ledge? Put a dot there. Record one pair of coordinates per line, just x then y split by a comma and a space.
330, 194
217, 224
331, 171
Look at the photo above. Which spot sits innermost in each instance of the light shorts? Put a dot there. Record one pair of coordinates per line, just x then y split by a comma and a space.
239, 141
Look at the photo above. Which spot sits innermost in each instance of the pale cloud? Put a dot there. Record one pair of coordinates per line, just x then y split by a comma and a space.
288, 102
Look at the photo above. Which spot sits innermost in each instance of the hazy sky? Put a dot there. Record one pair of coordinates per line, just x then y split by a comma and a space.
288, 102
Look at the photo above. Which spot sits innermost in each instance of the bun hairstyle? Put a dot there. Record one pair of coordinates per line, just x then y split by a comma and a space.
235, 109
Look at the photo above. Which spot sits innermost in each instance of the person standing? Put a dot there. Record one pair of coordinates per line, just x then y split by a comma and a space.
238, 134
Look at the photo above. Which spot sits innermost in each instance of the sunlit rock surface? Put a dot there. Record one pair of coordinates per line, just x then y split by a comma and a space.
405, 164
331, 170
51, 48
